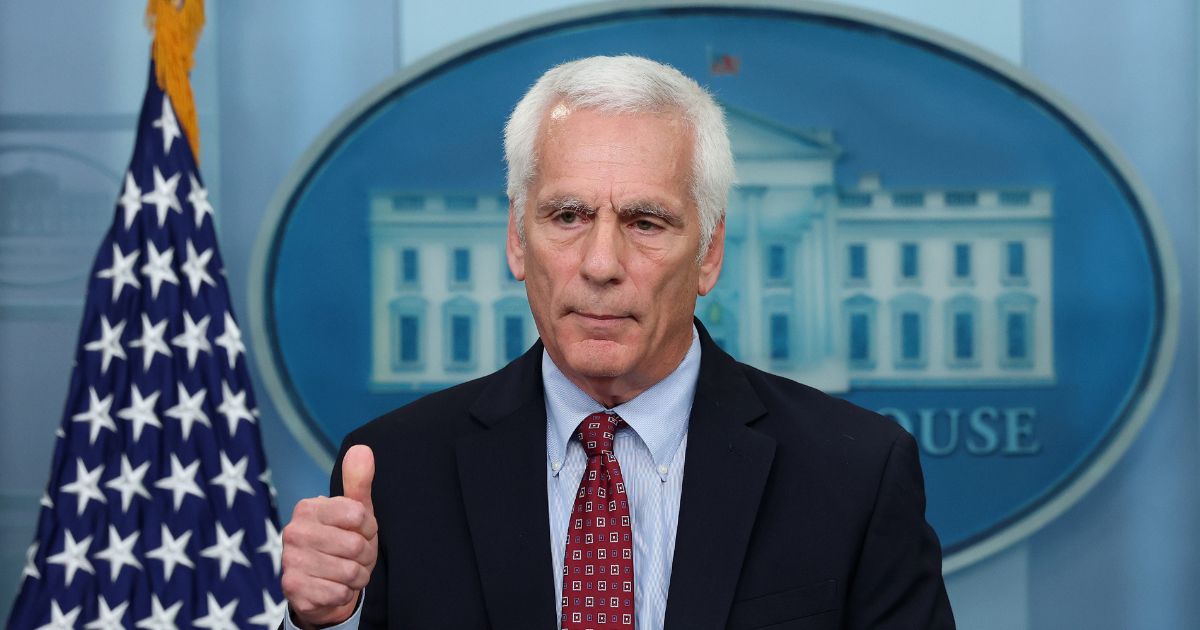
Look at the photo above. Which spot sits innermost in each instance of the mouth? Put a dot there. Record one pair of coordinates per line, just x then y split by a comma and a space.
599, 316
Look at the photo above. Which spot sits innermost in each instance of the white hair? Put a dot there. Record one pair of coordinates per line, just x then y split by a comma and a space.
625, 84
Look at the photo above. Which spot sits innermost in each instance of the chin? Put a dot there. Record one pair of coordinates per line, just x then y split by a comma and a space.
594, 358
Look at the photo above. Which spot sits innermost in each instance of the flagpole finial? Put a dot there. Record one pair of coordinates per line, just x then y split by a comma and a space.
176, 25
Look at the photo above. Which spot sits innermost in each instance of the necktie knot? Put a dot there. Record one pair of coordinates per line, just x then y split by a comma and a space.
597, 433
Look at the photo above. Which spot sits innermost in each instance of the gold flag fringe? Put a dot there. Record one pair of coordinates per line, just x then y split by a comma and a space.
176, 25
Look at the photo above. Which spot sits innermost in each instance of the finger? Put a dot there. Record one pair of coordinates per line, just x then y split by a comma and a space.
348, 514
333, 569
319, 601
358, 471
341, 543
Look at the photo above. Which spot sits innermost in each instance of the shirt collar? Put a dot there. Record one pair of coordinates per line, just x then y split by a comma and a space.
658, 415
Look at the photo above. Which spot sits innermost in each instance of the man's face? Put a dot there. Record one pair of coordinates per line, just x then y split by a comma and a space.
611, 238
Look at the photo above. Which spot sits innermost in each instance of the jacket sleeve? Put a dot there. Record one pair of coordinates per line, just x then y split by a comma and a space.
898, 581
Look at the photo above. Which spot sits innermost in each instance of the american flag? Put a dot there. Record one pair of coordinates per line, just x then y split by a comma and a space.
159, 512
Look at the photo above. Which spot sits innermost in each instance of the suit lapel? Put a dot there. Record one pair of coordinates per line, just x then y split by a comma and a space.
727, 467
503, 473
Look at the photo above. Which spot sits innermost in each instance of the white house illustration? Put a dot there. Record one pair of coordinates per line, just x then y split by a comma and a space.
838, 287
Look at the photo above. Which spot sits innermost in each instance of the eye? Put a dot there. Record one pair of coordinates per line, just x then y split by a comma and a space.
645, 225
567, 217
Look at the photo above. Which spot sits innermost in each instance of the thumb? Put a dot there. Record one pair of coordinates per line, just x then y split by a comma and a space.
358, 470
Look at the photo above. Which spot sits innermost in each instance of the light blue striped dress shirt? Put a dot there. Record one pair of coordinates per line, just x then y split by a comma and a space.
651, 457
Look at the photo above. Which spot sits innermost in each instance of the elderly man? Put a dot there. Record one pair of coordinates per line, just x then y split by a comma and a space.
625, 472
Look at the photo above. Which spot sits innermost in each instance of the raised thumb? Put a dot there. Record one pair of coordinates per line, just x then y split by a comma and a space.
358, 470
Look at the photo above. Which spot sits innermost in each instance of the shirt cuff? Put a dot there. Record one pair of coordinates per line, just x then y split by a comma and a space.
349, 624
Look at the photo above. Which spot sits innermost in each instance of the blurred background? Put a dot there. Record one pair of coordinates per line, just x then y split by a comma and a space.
271, 76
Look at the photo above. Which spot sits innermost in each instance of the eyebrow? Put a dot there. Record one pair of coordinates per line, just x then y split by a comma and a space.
649, 208
630, 210
573, 204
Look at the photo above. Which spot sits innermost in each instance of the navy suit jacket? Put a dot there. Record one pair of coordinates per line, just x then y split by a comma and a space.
799, 510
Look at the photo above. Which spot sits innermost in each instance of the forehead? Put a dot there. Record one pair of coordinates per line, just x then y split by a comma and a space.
619, 150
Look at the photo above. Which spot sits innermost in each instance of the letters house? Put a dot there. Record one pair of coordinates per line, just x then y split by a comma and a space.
835, 287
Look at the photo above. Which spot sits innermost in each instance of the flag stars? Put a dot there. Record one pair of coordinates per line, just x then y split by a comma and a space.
96, 415
163, 196
273, 545
151, 342
272, 612
31, 569
160, 618
265, 478
233, 407
60, 620
172, 552
182, 481
73, 557
233, 478
119, 552
121, 271
109, 343
131, 199
218, 617
227, 550
86, 486
194, 338
196, 268
189, 410
129, 482
158, 268
231, 340
167, 122
109, 618
198, 197
141, 411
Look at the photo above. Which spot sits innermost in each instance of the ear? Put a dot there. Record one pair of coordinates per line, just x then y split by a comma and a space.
513, 248
710, 266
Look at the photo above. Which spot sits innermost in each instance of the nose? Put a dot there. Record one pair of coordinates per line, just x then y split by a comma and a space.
603, 250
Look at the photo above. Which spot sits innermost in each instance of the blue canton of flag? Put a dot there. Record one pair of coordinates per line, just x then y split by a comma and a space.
159, 512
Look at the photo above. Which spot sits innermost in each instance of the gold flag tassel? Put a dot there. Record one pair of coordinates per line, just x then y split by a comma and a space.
176, 25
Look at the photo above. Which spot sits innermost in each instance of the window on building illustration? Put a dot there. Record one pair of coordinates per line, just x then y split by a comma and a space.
909, 261
460, 317
408, 203
910, 336
779, 337
409, 349
460, 266
514, 336
1015, 197
1015, 260
856, 254
1016, 326
1016, 311
777, 263
461, 202
964, 336
860, 337
910, 316
962, 261
460, 339
406, 333
860, 326
410, 270
961, 198
510, 315
908, 199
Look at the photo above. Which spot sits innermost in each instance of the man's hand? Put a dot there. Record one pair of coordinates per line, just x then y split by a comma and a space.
330, 547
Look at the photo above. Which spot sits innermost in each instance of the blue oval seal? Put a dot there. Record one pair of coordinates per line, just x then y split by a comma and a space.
918, 226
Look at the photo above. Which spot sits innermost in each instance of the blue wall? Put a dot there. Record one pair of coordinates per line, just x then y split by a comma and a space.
270, 76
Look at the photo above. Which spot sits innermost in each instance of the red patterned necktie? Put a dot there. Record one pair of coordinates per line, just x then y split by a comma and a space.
597, 589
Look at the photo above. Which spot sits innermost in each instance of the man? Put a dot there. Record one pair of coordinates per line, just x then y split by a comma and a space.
625, 472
